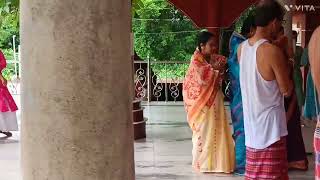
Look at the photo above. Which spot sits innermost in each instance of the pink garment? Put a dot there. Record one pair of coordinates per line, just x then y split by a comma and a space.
6, 101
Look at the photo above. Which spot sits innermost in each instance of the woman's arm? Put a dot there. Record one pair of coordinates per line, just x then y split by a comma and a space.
3, 80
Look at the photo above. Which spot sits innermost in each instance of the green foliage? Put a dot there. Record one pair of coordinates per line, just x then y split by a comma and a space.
243, 17
163, 33
9, 27
9, 22
10, 70
153, 26
136, 6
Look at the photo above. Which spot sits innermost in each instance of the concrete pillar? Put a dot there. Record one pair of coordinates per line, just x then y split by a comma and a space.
288, 18
76, 90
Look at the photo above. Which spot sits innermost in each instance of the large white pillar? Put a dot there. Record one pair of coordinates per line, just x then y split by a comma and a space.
76, 90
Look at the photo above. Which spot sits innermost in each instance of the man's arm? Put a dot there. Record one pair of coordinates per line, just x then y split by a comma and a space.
280, 68
314, 57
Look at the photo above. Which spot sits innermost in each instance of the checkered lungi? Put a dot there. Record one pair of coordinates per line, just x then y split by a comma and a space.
268, 163
316, 144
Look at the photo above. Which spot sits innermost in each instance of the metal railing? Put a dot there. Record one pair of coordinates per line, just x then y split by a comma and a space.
14, 82
15, 67
159, 80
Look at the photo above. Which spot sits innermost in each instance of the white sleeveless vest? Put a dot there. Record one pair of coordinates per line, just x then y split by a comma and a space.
263, 104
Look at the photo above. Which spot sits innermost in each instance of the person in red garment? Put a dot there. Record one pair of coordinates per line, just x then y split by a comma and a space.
8, 108
314, 57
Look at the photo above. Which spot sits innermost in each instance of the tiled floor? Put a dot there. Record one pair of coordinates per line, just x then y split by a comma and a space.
164, 155
9, 159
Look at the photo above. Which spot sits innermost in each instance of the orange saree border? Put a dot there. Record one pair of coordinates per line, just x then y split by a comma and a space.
200, 86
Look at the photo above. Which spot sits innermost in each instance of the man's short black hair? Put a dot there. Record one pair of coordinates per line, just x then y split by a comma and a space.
267, 11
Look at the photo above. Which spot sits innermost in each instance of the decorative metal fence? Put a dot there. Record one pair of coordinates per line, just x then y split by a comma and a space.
14, 81
14, 68
159, 80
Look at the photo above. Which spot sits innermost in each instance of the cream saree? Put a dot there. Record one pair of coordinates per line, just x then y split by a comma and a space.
213, 146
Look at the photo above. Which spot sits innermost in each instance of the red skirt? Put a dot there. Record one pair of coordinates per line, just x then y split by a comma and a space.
269, 163
317, 153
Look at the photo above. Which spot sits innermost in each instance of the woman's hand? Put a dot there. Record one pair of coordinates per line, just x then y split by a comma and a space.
218, 62
217, 66
3, 80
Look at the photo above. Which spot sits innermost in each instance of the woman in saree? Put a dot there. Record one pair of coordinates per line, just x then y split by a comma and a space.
213, 147
296, 152
236, 39
8, 107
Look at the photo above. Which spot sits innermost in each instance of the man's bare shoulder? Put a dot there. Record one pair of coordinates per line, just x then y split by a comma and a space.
272, 51
315, 37
268, 47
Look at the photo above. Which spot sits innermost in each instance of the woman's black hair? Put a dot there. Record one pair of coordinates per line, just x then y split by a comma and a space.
203, 38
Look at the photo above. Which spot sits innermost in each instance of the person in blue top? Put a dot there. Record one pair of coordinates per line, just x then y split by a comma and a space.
311, 104
236, 39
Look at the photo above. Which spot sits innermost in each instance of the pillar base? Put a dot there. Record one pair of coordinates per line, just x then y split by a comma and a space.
139, 122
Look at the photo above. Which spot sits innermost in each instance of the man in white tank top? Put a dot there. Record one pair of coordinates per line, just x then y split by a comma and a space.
264, 81
314, 57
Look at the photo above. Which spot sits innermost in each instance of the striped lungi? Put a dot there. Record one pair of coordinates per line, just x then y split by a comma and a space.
316, 144
269, 163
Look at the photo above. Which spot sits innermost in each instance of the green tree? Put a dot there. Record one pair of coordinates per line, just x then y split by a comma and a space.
9, 22
9, 27
162, 32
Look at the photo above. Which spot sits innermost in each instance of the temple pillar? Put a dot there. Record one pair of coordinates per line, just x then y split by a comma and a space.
76, 90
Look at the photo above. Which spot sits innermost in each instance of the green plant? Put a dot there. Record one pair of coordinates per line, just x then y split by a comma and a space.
239, 23
162, 33
9, 27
